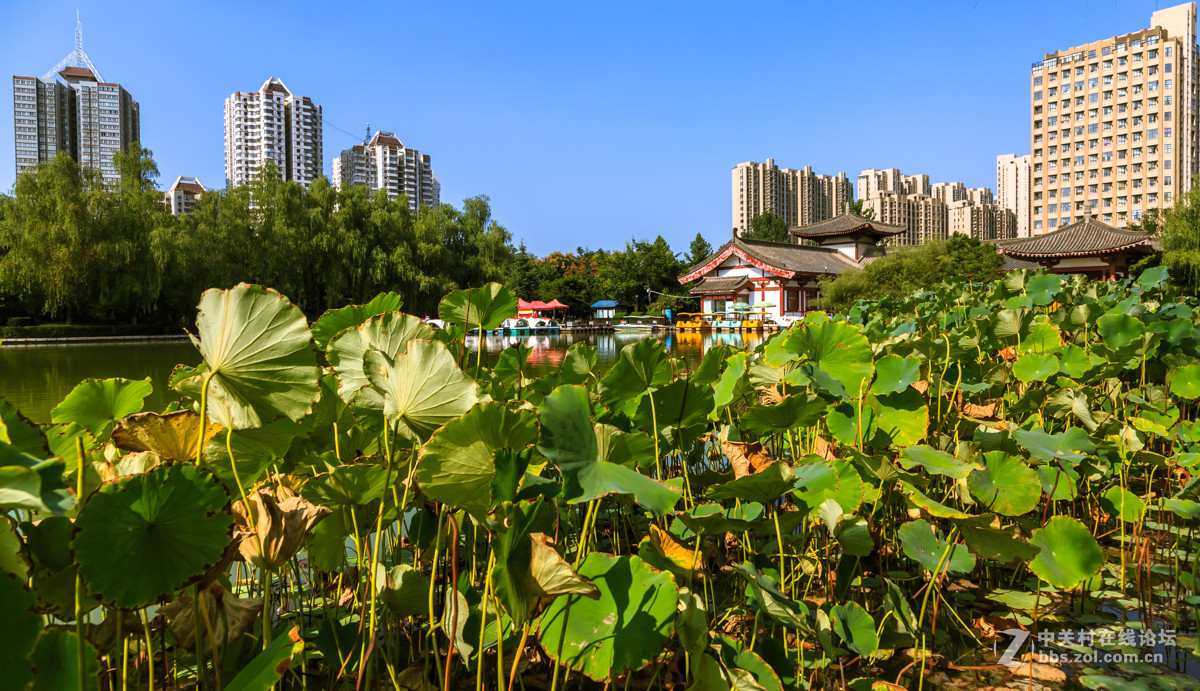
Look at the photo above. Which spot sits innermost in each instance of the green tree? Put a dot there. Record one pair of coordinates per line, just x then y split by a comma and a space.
699, 250
1181, 241
856, 208
768, 226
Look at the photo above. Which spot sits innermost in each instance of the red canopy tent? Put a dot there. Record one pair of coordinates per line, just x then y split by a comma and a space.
555, 305
528, 308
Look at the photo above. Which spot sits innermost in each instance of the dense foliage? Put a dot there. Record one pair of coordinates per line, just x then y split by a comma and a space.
853, 503
906, 269
768, 226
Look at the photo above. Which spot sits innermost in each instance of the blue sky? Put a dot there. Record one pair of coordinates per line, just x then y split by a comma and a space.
586, 123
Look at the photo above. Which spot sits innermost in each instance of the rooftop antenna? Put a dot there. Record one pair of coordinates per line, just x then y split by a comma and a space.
77, 58
368, 137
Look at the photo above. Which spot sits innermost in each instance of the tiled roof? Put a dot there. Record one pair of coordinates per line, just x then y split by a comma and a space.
78, 72
846, 224
782, 258
1084, 238
724, 285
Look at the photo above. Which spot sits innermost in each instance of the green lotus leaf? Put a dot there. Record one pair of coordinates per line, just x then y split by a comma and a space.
1005, 485
403, 590
1076, 362
931, 551
569, 440
387, 333
818, 480
145, 536
856, 627
747, 670
1072, 445
1035, 367
711, 519
259, 353
267, 668
839, 353
1012, 322
96, 404
1123, 504
19, 431
1120, 330
529, 572
731, 385
336, 320
19, 635
989, 542
1042, 338
631, 449
457, 465
422, 388
579, 364
512, 362
1152, 278
677, 407
935, 461
1069, 554
770, 600
643, 366
1042, 288
1059, 484
1185, 381
484, 308
56, 659
934, 508
27, 482
62, 440
902, 418
347, 486
793, 412
894, 373
711, 365
848, 427
627, 627
764, 487
12, 558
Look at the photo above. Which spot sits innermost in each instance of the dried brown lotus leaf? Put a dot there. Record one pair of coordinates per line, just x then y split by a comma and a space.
226, 616
746, 459
172, 436
281, 520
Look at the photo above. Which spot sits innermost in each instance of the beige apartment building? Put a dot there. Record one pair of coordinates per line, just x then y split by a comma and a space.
1012, 189
982, 220
800, 197
183, 194
1113, 124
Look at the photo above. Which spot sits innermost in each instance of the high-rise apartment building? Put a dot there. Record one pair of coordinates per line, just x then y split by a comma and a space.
980, 219
1114, 124
71, 109
183, 194
272, 124
1012, 189
800, 197
384, 163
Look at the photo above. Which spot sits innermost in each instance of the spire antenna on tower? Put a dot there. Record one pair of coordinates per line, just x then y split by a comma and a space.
77, 58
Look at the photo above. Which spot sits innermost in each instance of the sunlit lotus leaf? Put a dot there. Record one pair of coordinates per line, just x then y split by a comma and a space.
146, 536
529, 572
172, 436
20, 631
511, 364
423, 388
894, 373
763, 487
1058, 483
56, 659
746, 670
745, 458
95, 404
672, 553
387, 333
856, 627
1069, 554
358, 487
1043, 337
27, 482
336, 320
818, 480
257, 347
631, 449
1011, 322
19, 431
934, 508
1185, 381
1005, 485
642, 366
12, 558
276, 526
990, 542
579, 363
839, 353
1042, 288
1123, 504
901, 418
678, 408
403, 590
268, 667
63, 441
931, 550
484, 308
134, 463
731, 385
1035, 367
935, 461
624, 629
711, 519
770, 601
1120, 330
709, 370
457, 465
228, 617
1071, 445
793, 412
569, 440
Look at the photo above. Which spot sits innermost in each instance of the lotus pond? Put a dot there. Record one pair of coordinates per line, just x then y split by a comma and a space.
978, 486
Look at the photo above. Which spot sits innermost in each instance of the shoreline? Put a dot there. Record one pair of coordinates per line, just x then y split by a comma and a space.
68, 340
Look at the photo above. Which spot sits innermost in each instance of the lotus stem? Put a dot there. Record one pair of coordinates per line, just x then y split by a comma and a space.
452, 629
149, 647
200, 436
517, 657
80, 641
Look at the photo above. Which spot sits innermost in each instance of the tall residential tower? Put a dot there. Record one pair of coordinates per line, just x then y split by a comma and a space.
1114, 124
71, 109
272, 124
384, 163
1012, 189
800, 197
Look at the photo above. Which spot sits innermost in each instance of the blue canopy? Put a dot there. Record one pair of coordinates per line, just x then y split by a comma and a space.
605, 303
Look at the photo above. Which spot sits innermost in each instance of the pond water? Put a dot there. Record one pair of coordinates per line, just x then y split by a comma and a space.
36, 378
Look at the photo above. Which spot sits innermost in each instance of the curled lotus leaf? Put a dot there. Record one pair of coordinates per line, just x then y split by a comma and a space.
485, 307
387, 333
172, 436
226, 617
335, 321
423, 388
275, 527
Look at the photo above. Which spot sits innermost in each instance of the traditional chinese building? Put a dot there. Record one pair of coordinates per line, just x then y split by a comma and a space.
1087, 247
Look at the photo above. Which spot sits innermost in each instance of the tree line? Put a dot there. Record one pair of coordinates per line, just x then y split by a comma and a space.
75, 249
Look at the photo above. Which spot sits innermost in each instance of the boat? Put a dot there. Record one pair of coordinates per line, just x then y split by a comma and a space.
529, 325
694, 321
642, 323
728, 321
755, 320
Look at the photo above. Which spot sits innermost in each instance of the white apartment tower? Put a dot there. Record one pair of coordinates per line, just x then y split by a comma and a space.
800, 197
384, 163
71, 109
1012, 188
272, 124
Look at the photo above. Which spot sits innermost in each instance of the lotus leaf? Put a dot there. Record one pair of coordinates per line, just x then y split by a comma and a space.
258, 352
677, 407
1035, 367
894, 373
337, 320
770, 601
840, 354
643, 366
1005, 485
990, 542
172, 436
18, 431
1185, 381
1042, 288
387, 333
145, 536
929, 549
511, 365
935, 461
423, 388
1069, 554
267, 668
27, 482
764, 487
622, 630
20, 632
529, 571
484, 308
96, 404
856, 627
1042, 338
56, 660
579, 364
1120, 330
818, 480
1066, 446
792, 412
1123, 504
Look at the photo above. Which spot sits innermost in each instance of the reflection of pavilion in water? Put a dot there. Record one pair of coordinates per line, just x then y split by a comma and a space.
548, 350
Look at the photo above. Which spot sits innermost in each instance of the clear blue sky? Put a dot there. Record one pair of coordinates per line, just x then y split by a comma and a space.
586, 123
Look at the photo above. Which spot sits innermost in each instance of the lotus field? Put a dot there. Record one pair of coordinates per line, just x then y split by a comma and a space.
885, 500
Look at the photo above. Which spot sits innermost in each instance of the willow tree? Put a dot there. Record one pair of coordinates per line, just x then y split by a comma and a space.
1181, 241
